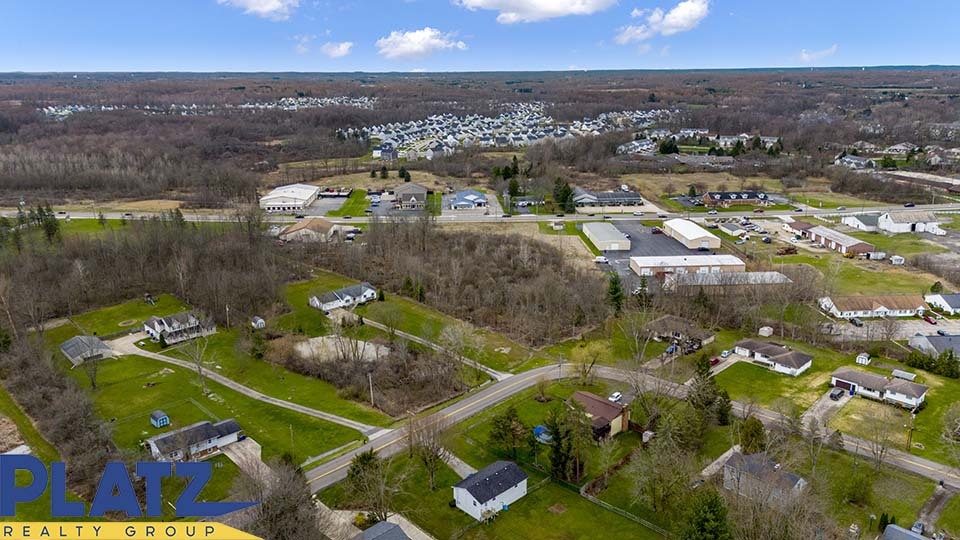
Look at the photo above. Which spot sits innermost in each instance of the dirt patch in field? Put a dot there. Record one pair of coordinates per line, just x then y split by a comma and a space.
557, 509
330, 347
572, 246
9, 435
128, 322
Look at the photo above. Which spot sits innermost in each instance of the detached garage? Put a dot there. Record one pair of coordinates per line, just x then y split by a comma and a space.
690, 234
606, 237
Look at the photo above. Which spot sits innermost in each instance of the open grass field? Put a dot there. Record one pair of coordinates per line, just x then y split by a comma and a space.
900, 244
863, 277
653, 186
303, 319
354, 206
829, 200
130, 388
127, 316
226, 356
571, 228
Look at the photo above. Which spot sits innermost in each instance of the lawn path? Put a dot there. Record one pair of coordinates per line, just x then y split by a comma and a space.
127, 346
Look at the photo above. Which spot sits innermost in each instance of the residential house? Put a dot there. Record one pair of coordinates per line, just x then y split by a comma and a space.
758, 477
468, 199
896, 391
195, 442
607, 418
862, 222
896, 532
675, 329
346, 297
851, 161
900, 150
80, 349
909, 222
838, 241
490, 490
936, 345
774, 356
178, 328
383, 530
947, 303
726, 199
410, 196
892, 305
311, 230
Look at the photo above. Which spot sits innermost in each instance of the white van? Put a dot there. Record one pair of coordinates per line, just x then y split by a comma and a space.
601, 260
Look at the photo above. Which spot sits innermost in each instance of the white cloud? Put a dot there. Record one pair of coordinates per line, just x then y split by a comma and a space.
683, 17
303, 42
417, 43
336, 50
278, 10
514, 11
808, 57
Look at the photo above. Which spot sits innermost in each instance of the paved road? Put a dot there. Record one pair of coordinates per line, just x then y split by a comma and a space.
213, 217
127, 345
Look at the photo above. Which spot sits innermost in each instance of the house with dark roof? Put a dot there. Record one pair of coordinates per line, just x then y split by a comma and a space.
346, 297
80, 349
729, 198
673, 329
896, 532
774, 356
936, 345
897, 391
195, 442
947, 303
383, 531
607, 418
490, 490
758, 477
178, 328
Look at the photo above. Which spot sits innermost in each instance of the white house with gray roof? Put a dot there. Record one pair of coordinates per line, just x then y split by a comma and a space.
872, 385
346, 297
178, 328
947, 303
195, 442
490, 489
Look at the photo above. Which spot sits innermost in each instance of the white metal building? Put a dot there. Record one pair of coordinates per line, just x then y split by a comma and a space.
690, 234
907, 222
606, 237
686, 264
292, 198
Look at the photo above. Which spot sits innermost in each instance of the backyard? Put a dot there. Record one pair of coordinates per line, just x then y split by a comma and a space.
127, 316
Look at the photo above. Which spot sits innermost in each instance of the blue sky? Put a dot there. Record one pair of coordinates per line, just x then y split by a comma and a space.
467, 35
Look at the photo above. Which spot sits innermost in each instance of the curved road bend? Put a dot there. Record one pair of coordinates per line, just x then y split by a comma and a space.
127, 345
391, 443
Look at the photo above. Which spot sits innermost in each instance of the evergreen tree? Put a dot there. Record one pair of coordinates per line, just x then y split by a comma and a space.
936, 288
373, 173
692, 191
514, 188
402, 173
884, 521
756, 143
515, 169
421, 293
560, 445
669, 146
508, 433
615, 294
753, 437
384, 174
407, 288
707, 518
888, 163
724, 408
380, 295
737, 149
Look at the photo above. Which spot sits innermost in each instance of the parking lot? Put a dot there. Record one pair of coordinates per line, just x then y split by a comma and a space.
321, 206
643, 243
902, 329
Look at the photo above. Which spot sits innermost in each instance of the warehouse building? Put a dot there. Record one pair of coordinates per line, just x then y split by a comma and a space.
606, 237
838, 241
690, 234
686, 264
292, 198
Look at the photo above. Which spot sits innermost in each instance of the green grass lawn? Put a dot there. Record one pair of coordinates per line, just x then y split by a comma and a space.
355, 205
822, 199
900, 244
751, 383
226, 357
613, 340
129, 388
303, 319
572, 228
123, 317
950, 518
853, 277
895, 492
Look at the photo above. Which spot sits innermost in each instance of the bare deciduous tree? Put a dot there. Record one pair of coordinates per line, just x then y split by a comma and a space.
425, 437
196, 351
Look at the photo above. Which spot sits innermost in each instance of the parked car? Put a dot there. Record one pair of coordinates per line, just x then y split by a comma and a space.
638, 213
559, 215
714, 361
836, 394
798, 209
656, 230
856, 322
841, 208
626, 235
726, 354
615, 397
713, 212
662, 216
127, 215
930, 320
740, 242
591, 215
347, 217
507, 215
942, 332
601, 260
758, 210
767, 240
909, 205
671, 349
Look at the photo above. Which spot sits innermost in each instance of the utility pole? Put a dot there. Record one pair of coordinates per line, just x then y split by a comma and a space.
228, 316
370, 378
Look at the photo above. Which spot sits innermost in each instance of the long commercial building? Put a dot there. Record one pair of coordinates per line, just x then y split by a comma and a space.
686, 264
606, 237
292, 198
838, 241
690, 234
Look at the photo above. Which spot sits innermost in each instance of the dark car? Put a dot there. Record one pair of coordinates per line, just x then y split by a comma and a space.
798, 209
767, 240
909, 205
347, 217
559, 215
941, 332
662, 216
758, 211
299, 216
591, 215
656, 230
836, 394
506, 215
856, 322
